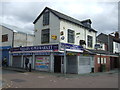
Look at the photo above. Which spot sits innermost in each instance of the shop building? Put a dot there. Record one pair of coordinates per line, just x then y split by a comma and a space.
52, 27
59, 46
52, 58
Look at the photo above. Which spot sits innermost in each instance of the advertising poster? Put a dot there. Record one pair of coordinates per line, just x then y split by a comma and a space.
42, 63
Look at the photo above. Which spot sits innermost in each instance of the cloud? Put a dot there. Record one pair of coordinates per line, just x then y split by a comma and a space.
104, 15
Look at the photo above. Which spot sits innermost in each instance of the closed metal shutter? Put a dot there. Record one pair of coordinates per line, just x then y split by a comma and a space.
16, 61
71, 64
84, 64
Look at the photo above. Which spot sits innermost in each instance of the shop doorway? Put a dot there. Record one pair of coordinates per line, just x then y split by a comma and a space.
57, 64
30, 61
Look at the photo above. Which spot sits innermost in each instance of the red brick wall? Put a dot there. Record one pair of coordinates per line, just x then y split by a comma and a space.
97, 65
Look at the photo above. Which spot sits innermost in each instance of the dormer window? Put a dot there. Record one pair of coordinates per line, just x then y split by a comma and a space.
46, 18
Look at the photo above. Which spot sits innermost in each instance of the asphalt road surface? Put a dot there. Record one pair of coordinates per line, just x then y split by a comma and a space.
14, 79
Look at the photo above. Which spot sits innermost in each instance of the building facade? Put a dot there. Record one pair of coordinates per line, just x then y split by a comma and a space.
108, 49
11, 36
59, 45
56, 27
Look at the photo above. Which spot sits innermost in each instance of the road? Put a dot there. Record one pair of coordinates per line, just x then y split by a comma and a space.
14, 79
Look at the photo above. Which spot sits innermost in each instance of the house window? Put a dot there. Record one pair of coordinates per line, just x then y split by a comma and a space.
90, 40
105, 61
71, 36
46, 18
98, 60
45, 35
5, 38
102, 60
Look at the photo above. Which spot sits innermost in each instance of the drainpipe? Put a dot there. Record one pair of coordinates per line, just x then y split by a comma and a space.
13, 39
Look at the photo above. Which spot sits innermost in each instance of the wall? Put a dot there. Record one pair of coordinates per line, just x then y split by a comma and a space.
30, 40
23, 39
93, 34
10, 35
65, 25
97, 65
54, 26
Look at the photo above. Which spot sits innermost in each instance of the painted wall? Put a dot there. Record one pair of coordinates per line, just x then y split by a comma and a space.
10, 35
54, 26
17, 38
65, 25
57, 25
23, 39
93, 34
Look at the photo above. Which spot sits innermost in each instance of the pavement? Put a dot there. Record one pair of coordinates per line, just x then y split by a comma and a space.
21, 79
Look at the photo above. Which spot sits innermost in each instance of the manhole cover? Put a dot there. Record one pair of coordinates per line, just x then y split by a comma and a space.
18, 80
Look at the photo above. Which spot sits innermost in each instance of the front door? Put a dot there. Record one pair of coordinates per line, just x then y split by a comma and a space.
57, 64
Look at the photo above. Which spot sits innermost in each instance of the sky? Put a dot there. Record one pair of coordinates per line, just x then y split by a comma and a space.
103, 13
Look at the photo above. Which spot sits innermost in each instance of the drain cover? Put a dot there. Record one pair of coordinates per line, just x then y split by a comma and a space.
18, 80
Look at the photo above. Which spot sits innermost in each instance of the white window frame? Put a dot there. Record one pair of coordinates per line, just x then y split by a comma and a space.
105, 60
98, 60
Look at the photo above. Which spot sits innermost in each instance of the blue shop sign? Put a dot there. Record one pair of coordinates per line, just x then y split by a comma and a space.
43, 53
34, 48
16, 54
70, 46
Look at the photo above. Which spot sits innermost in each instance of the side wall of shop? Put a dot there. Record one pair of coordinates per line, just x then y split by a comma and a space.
105, 62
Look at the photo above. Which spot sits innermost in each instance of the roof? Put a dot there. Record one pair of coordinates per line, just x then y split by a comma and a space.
64, 17
87, 20
16, 29
104, 38
101, 52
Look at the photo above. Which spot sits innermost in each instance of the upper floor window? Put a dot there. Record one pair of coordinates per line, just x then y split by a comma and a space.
89, 41
71, 36
45, 35
46, 18
5, 38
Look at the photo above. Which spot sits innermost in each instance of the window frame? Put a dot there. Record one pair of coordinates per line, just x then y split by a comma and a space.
98, 60
5, 38
71, 36
89, 41
46, 17
44, 34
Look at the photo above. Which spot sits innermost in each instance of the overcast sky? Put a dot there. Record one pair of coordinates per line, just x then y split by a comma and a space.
104, 15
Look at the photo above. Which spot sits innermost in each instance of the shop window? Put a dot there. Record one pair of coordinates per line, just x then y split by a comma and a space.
45, 35
46, 18
89, 41
5, 38
71, 36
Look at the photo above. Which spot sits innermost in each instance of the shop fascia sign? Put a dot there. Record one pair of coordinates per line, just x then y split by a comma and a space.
35, 48
70, 47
